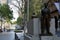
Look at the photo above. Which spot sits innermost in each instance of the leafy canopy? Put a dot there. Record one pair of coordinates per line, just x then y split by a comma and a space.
5, 12
19, 20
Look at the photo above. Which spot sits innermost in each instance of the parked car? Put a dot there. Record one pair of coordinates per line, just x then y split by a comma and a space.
18, 27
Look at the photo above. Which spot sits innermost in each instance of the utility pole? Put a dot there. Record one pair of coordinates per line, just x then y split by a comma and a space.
27, 10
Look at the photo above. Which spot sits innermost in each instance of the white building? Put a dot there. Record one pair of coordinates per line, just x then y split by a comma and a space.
3, 1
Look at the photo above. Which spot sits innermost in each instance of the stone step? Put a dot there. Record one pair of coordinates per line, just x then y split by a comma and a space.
50, 37
57, 33
56, 38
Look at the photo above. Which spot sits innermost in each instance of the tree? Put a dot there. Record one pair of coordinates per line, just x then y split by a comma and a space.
5, 13
19, 6
33, 7
19, 21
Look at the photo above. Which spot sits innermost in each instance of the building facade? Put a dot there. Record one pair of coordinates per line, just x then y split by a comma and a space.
3, 1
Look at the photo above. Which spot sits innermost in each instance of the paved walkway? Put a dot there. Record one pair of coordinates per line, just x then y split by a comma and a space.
11, 35
7, 36
58, 33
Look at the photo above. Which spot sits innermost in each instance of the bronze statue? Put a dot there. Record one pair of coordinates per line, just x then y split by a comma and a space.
45, 19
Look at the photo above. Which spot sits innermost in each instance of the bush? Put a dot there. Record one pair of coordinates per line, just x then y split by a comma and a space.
17, 31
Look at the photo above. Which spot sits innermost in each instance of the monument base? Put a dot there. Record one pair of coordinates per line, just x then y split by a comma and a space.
46, 34
46, 37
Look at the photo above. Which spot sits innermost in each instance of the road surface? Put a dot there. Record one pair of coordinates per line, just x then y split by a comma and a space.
10, 36
7, 36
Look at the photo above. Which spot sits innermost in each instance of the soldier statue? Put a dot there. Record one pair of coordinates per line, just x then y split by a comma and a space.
45, 20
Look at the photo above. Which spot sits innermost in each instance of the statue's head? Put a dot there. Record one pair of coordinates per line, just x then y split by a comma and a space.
45, 5
33, 13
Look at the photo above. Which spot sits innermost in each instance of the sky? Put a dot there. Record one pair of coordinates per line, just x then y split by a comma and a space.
15, 13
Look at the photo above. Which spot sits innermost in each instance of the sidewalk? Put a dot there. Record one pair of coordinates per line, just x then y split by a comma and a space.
7, 36
58, 33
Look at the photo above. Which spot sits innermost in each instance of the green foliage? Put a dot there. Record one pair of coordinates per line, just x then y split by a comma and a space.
19, 21
35, 7
5, 12
14, 22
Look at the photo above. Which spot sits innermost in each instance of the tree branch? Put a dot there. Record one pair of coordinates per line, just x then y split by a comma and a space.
15, 5
19, 7
18, 2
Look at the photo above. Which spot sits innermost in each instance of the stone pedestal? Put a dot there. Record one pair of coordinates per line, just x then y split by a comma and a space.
52, 26
33, 29
50, 37
46, 37
36, 24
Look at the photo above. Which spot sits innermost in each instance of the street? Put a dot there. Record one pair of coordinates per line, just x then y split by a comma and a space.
10, 36
7, 36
